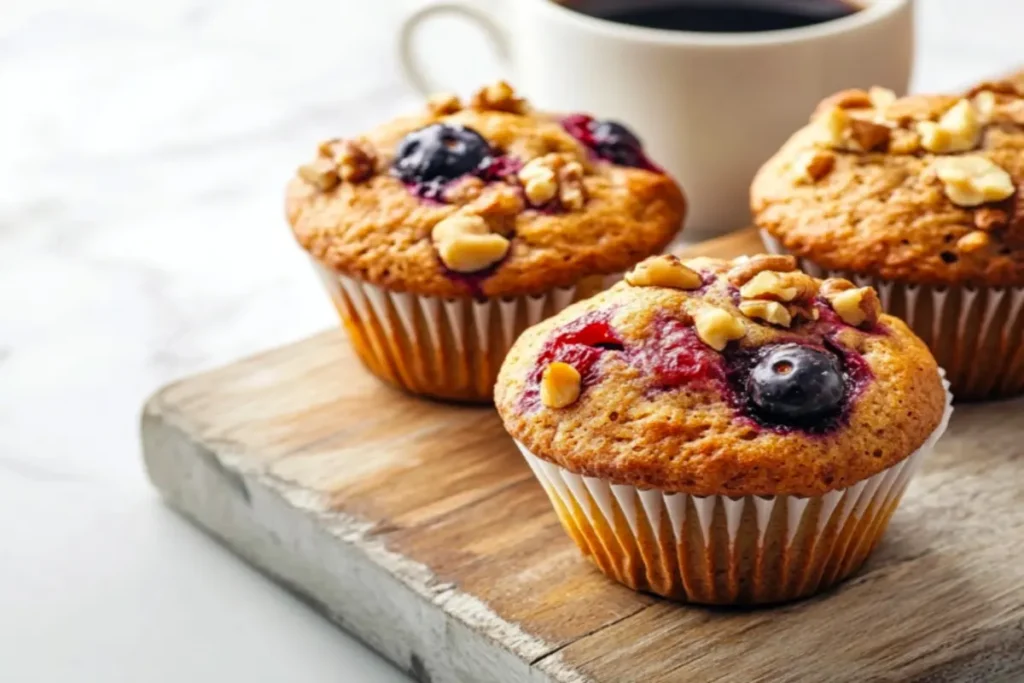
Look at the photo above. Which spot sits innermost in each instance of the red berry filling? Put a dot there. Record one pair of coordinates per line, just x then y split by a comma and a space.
675, 356
581, 344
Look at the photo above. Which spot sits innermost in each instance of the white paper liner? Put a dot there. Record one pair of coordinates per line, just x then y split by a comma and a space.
725, 550
447, 348
976, 334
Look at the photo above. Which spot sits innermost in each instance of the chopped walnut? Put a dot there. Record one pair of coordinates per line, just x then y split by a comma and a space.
559, 385
880, 97
717, 327
355, 160
498, 96
834, 285
854, 98
813, 165
989, 218
551, 176
663, 271
498, 200
973, 241
839, 130
856, 307
785, 287
973, 180
443, 104
743, 271
769, 311
322, 173
1004, 87
466, 245
958, 130
985, 105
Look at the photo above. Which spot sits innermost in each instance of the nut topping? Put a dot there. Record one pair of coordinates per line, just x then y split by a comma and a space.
839, 130
973, 180
743, 271
957, 130
498, 96
769, 311
355, 160
466, 245
774, 286
989, 218
551, 176
857, 306
813, 165
973, 241
559, 385
321, 173
443, 104
717, 327
881, 97
663, 271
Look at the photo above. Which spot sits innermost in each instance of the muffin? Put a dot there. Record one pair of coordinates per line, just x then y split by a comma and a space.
919, 197
442, 235
724, 432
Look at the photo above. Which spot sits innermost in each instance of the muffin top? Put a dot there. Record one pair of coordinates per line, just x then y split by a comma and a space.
486, 198
922, 189
708, 377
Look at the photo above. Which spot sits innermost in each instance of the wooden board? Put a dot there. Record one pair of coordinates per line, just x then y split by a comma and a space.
417, 527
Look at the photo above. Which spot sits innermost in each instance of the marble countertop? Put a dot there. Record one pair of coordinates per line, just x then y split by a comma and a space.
143, 147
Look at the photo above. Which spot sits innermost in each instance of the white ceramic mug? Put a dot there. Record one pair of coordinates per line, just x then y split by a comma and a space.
710, 107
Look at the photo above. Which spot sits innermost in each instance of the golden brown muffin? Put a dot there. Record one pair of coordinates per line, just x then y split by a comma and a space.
544, 200
442, 235
666, 377
724, 432
923, 189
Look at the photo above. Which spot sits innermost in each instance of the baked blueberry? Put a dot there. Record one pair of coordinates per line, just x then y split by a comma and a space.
794, 384
617, 144
440, 151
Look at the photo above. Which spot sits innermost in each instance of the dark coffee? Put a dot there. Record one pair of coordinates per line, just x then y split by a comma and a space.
718, 16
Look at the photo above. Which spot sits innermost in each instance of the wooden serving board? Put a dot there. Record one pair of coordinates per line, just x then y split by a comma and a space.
417, 527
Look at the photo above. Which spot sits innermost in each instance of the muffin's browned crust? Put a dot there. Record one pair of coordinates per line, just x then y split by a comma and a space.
886, 212
377, 230
691, 438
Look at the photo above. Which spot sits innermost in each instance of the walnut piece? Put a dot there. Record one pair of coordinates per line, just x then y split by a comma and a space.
741, 273
464, 190
973, 241
769, 311
904, 141
443, 104
663, 271
839, 130
498, 200
355, 160
785, 287
881, 97
834, 285
553, 176
813, 165
498, 96
989, 218
322, 173
857, 306
985, 105
958, 130
466, 245
854, 98
717, 327
559, 385
973, 180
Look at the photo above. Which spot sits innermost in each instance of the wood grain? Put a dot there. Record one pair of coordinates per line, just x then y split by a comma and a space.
417, 526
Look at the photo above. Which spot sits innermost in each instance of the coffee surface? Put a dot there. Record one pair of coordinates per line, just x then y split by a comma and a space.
720, 16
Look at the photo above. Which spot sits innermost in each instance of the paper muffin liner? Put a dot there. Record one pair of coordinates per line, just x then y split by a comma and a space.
975, 333
722, 549
439, 347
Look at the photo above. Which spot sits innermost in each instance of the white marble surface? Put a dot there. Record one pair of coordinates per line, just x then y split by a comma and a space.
142, 150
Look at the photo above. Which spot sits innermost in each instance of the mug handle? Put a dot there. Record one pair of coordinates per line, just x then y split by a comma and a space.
415, 71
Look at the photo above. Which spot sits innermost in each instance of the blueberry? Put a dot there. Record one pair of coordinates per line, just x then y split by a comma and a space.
617, 144
794, 384
440, 151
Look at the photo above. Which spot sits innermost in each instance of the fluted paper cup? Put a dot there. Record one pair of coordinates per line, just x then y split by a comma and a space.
443, 348
975, 333
722, 549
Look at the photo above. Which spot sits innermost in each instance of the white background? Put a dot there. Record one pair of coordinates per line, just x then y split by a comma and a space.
143, 148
